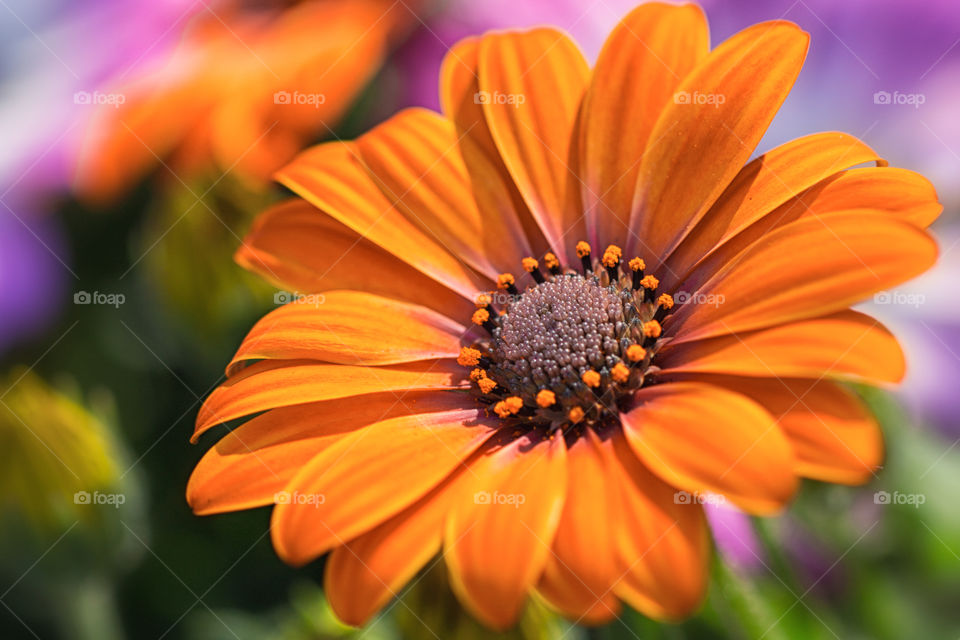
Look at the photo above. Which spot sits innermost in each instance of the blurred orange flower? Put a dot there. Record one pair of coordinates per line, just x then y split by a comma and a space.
678, 332
243, 92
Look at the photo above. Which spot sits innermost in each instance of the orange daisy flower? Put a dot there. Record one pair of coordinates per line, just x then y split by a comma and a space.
244, 91
658, 321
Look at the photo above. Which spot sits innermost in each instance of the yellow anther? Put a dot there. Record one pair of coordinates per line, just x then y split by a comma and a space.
508, 407
546, 398
591, 378
486, 384
610, 259
636, 353
476, 374
651, 329
505, 281
620, 373
483, 300
575, 415
529, 264
636, 264
583, 249
649, 282
551, 261
480, 316
665, 300
469, 357
614, 250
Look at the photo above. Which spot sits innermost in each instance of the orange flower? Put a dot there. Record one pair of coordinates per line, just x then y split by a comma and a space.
244, 91
593, 498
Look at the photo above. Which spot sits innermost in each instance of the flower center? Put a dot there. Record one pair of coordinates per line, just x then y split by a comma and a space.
570, 349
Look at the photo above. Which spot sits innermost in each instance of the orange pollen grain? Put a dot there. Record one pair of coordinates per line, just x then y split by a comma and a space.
480, 316
636, 264
483, 300
529, 264
649, 282
651, 329
513, 404
575, 415
504, 280
620, 372
583, 249
665, 300
546, 398
469, 357
486, 384
636, 353
551, 261
591, 378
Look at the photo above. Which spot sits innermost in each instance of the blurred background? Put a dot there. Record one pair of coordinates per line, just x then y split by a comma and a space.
138, 141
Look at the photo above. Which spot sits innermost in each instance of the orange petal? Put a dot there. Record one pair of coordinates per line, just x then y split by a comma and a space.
643, 60
871, 192
249, 465
331, 177
763, 185
808, 268
493, 187
271, 383
846, 344
350, 327
372, 475
898, 193
533, 82
414, 158
509, 513
663, 542
297, 247
580, 577
833, 436
701, 438
700, 143
364, 574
